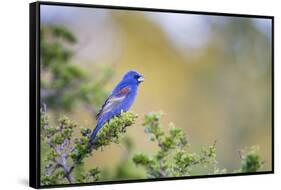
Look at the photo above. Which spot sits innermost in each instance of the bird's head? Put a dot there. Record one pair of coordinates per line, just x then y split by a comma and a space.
133, 76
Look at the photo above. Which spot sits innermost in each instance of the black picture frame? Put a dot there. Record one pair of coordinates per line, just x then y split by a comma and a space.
34, 92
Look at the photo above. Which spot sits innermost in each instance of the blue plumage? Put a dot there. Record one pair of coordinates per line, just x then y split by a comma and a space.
121, 99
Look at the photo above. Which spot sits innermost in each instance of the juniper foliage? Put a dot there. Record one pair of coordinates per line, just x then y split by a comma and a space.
64, 83
174, 158
65, 153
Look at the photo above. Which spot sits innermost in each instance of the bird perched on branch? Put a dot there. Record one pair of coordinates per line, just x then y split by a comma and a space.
121, 99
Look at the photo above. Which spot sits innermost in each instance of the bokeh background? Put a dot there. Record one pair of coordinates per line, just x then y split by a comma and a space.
209, 75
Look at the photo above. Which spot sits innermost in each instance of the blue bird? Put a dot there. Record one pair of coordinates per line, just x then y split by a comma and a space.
121, 99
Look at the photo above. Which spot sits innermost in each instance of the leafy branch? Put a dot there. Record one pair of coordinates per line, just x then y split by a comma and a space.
66, 153
174, 158
64, 84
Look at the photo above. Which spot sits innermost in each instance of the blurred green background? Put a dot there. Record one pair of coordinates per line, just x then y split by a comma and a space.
210, 75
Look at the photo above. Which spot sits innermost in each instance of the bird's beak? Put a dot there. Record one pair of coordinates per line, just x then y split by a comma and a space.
140, 79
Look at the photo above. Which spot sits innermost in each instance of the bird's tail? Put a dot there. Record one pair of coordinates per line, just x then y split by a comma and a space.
95, 132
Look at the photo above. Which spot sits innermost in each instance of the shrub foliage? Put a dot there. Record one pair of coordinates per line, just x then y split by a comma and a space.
174, 158
66, 152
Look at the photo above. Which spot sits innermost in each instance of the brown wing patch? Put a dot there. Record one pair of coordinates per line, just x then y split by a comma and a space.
123, 92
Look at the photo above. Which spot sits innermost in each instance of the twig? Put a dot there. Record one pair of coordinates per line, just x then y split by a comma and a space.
62, 162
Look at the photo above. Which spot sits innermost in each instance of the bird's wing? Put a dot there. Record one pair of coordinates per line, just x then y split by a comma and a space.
113, 101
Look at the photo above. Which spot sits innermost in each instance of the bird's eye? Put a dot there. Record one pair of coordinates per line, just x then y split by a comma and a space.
136, 76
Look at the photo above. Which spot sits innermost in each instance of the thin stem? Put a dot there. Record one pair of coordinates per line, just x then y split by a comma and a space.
62, 162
